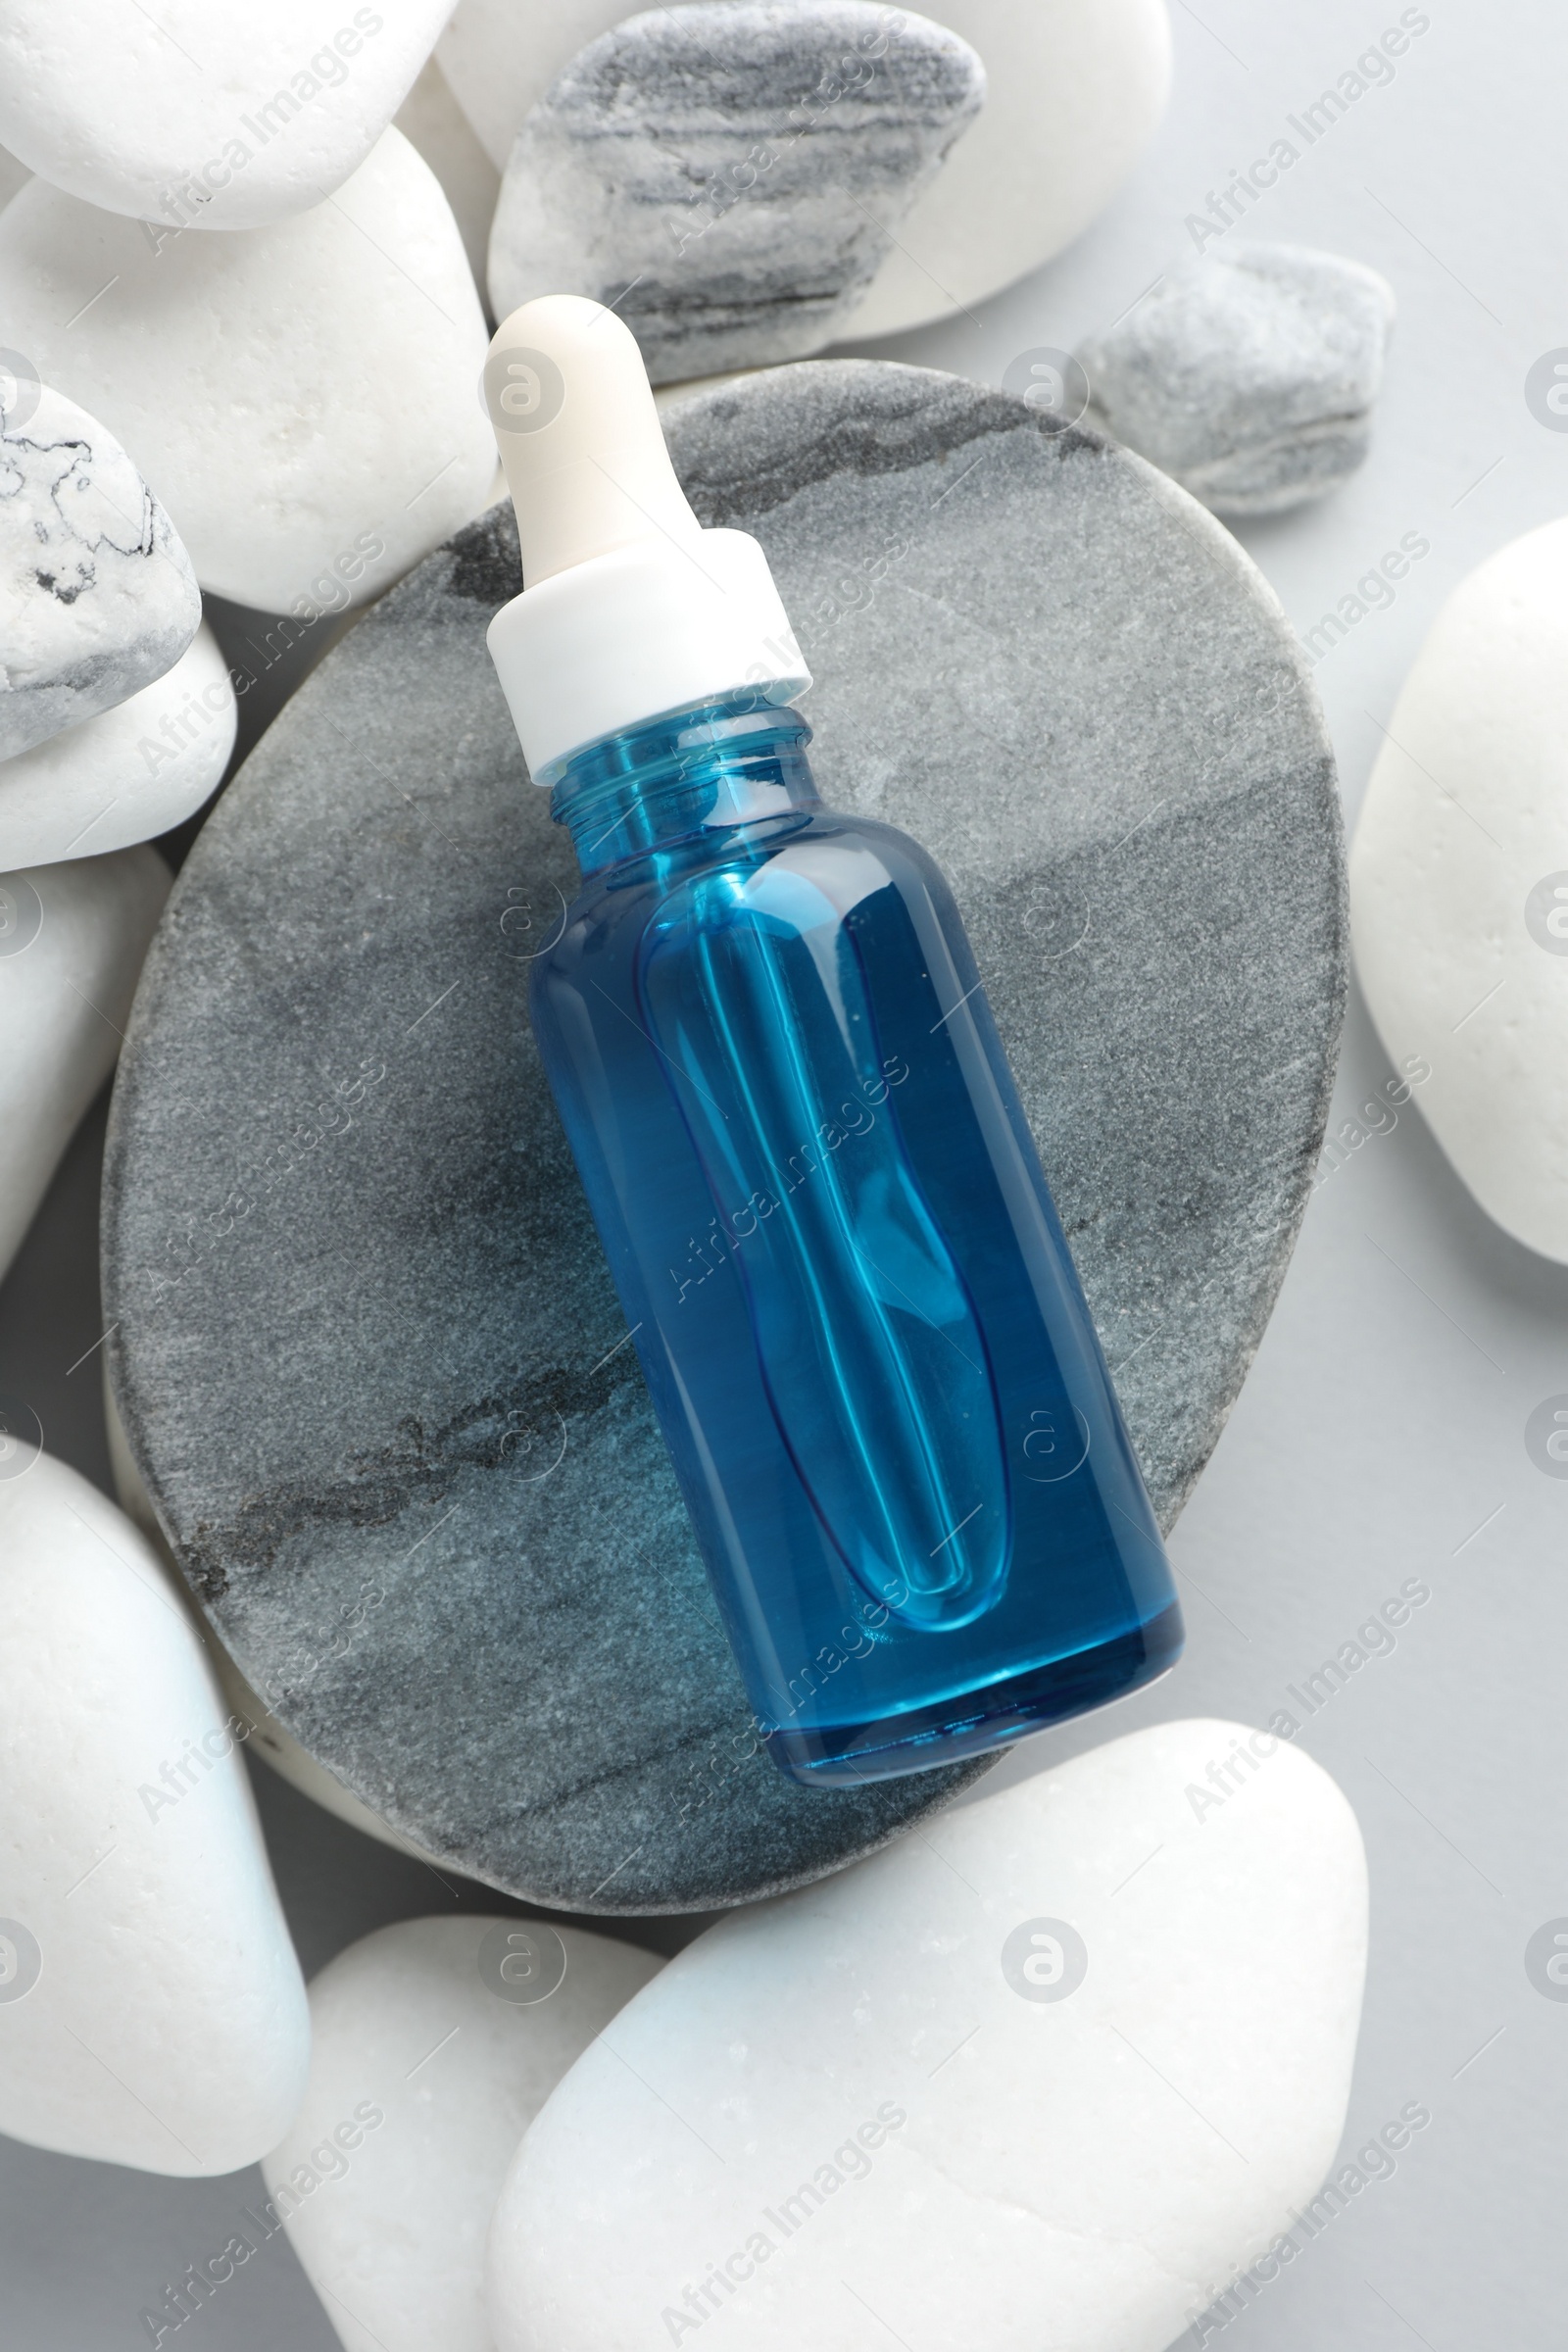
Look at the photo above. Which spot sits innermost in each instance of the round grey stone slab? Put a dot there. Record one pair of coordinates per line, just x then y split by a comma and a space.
365, 1346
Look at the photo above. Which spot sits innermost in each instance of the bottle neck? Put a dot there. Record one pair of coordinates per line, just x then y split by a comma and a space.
684, 778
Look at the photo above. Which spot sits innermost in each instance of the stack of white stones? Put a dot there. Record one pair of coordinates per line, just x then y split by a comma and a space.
1061, 2105
243, 339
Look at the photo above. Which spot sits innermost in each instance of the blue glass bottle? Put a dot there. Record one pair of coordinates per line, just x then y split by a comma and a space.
863, 1336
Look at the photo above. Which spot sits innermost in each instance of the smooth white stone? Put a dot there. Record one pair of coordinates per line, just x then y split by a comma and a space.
97, 596
302, 397
1049, 2173
408, 2025
1074, 89
209, 117
167, 2026
126, 776
1459, 885
432, 120
72, 943
268, 1738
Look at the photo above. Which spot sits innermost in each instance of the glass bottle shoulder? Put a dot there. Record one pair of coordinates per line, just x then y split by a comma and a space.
794, 871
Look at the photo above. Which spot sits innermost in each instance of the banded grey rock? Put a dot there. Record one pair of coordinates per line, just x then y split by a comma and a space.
729, 176
1249, 374
367, 1350
97, 594
1075, 88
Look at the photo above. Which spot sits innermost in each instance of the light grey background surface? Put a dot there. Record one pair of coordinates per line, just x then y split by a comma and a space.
1380, 1435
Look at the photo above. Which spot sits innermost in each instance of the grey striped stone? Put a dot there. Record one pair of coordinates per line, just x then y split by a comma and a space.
1250, 376
729, 176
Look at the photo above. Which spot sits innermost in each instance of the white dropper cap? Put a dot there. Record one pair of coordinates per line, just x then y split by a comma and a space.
629, 607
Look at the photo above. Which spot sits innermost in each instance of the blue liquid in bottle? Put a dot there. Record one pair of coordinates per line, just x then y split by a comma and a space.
865, 1339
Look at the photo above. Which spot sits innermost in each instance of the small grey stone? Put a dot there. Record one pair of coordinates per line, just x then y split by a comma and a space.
1248, 374
728, 176
365, 1346
97, 596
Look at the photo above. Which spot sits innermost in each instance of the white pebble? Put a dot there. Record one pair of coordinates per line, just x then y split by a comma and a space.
97, 596
206, 112
451, 2033
1034, 2081
302, 397
1459, 886
126, 776
151, 2008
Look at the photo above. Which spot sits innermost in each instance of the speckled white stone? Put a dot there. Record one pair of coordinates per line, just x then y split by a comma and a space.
1248, 373
689, 168
1074, 90
97, 596
1459, 885
301, 396
167, 2026
208, 114
127, 774
390, 2217
1032, 2082
72, 943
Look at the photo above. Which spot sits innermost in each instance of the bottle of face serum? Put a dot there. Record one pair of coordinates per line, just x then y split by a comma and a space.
800, 1138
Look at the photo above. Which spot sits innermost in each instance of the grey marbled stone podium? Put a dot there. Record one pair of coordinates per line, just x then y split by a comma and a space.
365, 1346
